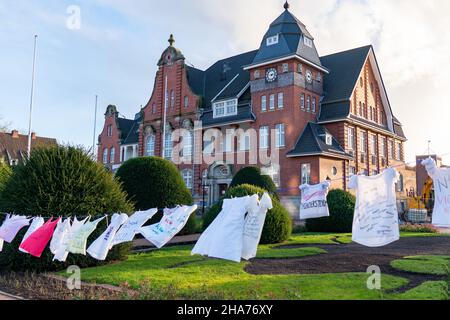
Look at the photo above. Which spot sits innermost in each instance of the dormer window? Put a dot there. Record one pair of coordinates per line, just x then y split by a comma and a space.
272, 40
225, 108
308, 42
257, 74
285, 67
328, 139
300, 68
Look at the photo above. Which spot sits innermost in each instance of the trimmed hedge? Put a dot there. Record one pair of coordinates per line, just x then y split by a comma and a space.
342, 206
278, 224
253, 176
63, 181
153, 182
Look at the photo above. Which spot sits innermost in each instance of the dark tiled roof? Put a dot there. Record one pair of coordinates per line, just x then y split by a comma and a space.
291, 32
129, 130
345, 68
334, 111
312, 142
399, 130
16, 148
196, 79
244, 114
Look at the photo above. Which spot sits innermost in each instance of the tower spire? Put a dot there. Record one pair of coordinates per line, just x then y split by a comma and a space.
286, 5
171, 40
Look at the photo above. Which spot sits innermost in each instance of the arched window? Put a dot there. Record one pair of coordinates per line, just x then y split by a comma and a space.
150, 145
105, 156
112, 155
188, 143
172, 98
188, 178
186, 101
399, 186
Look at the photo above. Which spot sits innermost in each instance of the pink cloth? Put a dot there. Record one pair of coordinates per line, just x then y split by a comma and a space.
11, 227
35, 244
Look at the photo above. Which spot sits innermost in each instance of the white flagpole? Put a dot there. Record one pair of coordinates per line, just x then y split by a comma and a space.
165, 120
95, 125
31, 98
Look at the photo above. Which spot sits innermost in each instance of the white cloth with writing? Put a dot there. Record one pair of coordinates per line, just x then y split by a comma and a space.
314, 201
133, 226
441, 181
100, 247
62, 252
375, 221
11, 227
170, 225
77, 244
61, 231
253, 227
35, 224
223, 238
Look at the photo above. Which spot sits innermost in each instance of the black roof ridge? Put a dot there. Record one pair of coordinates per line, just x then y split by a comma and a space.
347, 51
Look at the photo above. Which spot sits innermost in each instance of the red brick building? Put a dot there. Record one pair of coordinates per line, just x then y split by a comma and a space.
328, 117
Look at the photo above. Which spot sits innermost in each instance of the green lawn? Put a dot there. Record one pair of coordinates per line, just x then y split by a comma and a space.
172, 273
436, 265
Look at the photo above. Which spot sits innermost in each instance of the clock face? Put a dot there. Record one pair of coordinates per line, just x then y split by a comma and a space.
271, 75
309, 76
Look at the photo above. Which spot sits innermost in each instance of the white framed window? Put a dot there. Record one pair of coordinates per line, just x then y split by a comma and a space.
308, 103
280, 100
186, 101
373, 144
168, 145
272, 102
398, 153
351, 139
383, 147
300, 68
150, 145
314, 102
257, 74
391, 149
285, 67
188, 143
274, 173
225, 108
264, 137
264, 103
105, 156
319, 77
302, 101
112, 155
306, 173
227, 141
244, 142
109, 130
362, 141
188, 178
272, 40
281, 135
308, 42
328, 139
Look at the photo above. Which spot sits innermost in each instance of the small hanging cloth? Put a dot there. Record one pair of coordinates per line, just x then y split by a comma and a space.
314, 201
78, 243
170, 225
100, 247
12, 226
132, 226
61, 252
38, 240
35, 224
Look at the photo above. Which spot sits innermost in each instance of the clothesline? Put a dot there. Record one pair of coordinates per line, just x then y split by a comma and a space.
417, 162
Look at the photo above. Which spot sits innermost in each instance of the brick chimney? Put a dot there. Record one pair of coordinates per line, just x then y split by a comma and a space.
15, 134
33, 136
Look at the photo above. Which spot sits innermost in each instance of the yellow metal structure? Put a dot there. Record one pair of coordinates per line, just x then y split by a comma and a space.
422, 201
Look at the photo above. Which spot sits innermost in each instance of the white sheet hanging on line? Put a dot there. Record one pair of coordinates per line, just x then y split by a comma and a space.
61, 231
35, 224
223, 238
132, 226
77, 244
11, 227
441, 181
375, 222
62, 253
253, 227
314, 201
100, 247
170, 225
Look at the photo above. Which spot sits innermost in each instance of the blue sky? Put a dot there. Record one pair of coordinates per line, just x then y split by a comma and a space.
114, 54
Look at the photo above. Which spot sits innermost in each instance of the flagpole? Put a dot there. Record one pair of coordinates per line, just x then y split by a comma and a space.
165, 120
31, 98
95, 125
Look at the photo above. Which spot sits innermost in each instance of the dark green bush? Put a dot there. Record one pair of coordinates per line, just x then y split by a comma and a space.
5, 174
61, 181
278, 224
253, 176
153, 182
342, 206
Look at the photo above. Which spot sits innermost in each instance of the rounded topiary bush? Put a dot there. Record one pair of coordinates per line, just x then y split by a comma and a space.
60, 181
342, 206
153, 182
253, 176
278, 224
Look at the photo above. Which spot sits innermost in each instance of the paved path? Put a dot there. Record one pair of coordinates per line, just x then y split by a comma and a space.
7, 297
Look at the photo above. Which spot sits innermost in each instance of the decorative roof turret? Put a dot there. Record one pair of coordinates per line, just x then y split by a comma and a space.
171, 54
